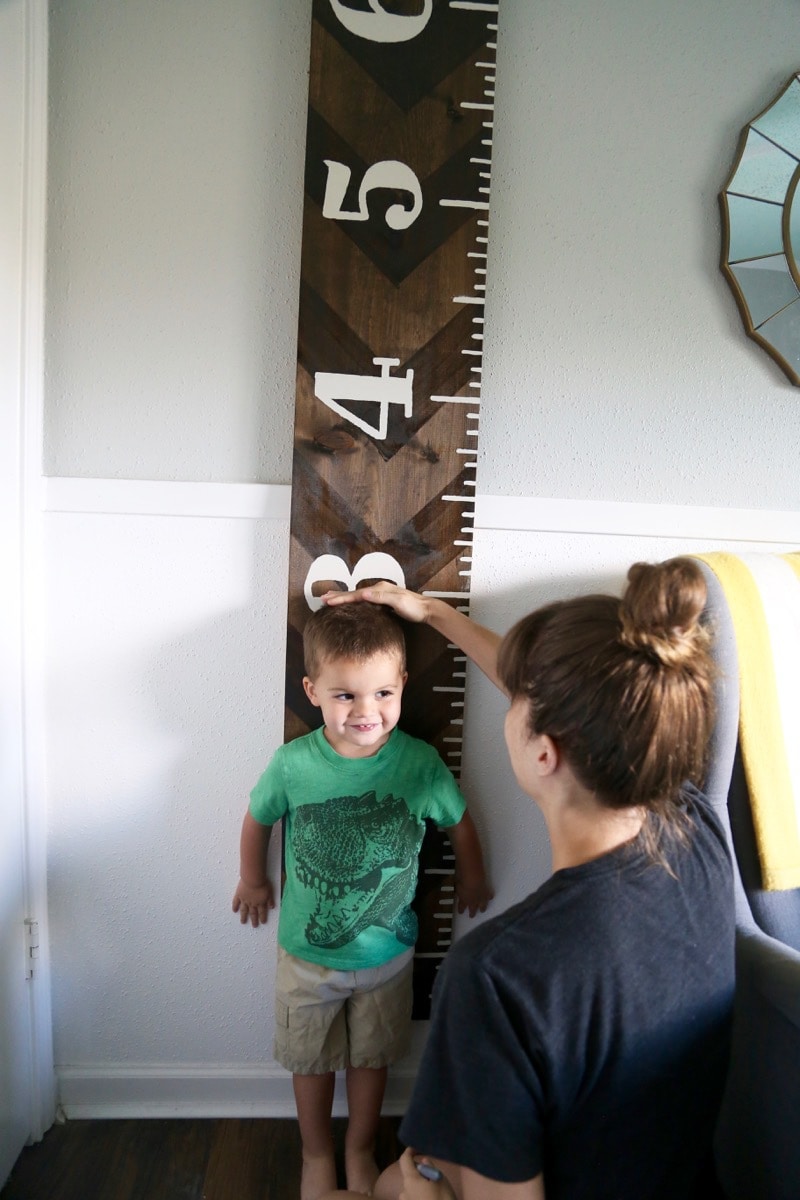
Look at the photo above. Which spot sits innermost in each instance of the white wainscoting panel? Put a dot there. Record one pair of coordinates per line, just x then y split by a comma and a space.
257, 501
165, 630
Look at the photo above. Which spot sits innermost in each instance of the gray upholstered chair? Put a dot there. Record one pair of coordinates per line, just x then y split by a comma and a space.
757, 1146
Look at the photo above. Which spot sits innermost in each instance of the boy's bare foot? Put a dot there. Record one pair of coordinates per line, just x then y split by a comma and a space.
361, 1170
318, 1177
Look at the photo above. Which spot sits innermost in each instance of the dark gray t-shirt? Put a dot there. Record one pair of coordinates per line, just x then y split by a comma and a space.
584, 1033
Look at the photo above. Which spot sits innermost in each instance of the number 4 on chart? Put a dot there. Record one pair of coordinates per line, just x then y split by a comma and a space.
384, 389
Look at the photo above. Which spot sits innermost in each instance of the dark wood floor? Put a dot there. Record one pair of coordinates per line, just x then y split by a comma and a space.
171, 1160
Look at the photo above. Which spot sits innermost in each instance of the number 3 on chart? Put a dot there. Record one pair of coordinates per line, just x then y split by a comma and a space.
329, 568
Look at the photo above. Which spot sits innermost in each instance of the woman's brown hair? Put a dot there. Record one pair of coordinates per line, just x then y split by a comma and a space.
623, 687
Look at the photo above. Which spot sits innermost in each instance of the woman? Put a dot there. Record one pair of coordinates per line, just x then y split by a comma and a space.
578, 1042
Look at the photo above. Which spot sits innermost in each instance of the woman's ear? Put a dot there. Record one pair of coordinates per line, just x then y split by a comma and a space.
310, 691
546, 754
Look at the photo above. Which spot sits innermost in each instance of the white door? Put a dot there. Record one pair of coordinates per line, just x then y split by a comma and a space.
16, 1065
26, 1103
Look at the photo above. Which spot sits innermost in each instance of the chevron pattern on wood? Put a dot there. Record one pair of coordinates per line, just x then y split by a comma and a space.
393, 270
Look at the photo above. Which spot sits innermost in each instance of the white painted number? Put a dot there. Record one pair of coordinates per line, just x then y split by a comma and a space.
387, 174
381, 26
383, 390
329, 568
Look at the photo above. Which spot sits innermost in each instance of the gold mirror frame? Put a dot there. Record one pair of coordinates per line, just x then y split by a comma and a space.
757, 202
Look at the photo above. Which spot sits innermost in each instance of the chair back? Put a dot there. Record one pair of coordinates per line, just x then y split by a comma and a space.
776, 913
757, 1139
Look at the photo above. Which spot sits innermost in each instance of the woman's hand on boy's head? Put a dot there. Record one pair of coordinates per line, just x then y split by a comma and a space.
408, 605
253, 903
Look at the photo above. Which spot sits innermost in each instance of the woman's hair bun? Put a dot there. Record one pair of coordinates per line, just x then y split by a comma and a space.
660, 610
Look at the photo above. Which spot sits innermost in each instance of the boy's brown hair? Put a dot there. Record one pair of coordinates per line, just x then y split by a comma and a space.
351, 631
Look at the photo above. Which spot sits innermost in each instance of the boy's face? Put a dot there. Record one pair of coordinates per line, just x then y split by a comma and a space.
360, 702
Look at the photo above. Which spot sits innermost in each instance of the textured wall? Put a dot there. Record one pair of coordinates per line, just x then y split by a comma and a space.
613, 343
176, 159
165, 699
614, 349
614, 353
165, 689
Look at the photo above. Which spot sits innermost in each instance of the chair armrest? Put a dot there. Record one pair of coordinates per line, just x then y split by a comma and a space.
769, 969
757, 1143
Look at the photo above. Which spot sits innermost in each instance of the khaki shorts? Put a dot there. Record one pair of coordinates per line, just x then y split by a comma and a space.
328, 1020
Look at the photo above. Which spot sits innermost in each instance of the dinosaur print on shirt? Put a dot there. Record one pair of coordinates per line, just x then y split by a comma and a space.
359, 854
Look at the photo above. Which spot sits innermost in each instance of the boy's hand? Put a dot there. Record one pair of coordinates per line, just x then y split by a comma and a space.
253, 903
472, 887
473, 897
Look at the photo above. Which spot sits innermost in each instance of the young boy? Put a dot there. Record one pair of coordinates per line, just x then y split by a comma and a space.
354, 795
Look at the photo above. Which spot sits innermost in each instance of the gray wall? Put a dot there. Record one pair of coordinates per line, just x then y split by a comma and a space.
175, 176
616, 370
614, 350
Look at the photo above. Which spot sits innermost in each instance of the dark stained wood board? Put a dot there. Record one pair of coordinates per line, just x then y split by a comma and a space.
390, 334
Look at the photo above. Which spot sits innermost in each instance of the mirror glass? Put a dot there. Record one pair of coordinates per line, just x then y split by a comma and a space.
761, 229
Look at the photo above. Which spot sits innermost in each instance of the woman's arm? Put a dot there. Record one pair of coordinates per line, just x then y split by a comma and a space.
459, 1183
402, 1181
477, 1187
478, 642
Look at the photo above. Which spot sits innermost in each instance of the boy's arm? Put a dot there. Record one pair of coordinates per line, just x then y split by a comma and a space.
472, 887
253, 897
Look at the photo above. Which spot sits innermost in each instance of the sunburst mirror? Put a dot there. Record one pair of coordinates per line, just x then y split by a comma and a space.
761, 229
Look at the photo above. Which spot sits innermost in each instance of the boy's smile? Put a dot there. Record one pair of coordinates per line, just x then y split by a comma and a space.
360, 702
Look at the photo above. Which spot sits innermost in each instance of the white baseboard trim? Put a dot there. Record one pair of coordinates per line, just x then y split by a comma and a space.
109, 1090
532, 514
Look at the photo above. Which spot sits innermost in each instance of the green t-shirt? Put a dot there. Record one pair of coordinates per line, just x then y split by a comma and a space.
353, 827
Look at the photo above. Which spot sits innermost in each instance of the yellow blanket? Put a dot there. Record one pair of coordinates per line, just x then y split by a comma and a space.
763, 595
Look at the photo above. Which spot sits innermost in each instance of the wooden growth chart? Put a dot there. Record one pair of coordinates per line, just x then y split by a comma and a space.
393, 278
